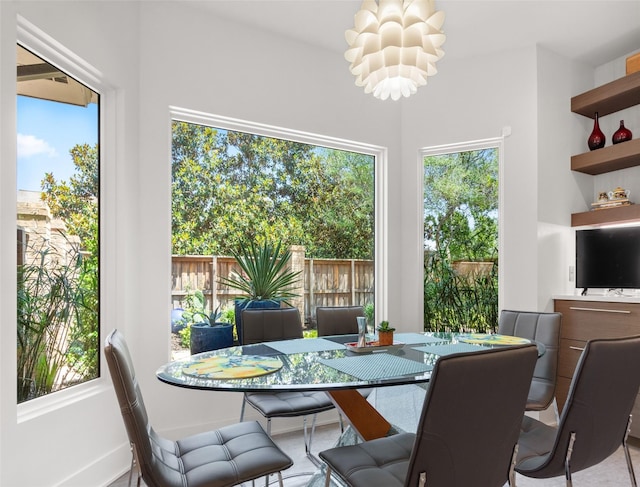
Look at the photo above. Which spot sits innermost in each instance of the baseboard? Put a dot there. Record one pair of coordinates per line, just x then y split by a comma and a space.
102, 472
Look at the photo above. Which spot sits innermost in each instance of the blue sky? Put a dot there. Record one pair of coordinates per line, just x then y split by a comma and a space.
46, 132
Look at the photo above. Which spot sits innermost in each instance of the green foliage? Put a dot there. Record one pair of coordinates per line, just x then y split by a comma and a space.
231, 187
263, 273
196, 311
58, 291
369, 313
385, 326
460, 223
461, 204
57, 328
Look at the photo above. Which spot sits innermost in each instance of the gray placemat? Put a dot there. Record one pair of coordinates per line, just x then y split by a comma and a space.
416, 338
376, 366
303, 345
449, 348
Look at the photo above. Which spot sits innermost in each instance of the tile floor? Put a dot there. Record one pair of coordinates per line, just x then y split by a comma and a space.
612, 472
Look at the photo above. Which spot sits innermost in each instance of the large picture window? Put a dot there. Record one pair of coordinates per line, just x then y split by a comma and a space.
232, 187
58, 180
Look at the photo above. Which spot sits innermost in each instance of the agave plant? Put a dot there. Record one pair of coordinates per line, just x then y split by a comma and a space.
264, 275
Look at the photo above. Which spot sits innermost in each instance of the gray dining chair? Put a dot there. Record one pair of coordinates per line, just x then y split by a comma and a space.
595, 419
338, 320
468, 430
265, 325
224, 457
543, 328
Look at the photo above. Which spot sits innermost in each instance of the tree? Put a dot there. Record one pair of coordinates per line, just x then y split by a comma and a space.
231, 187
76, 203
460, 223
461, 203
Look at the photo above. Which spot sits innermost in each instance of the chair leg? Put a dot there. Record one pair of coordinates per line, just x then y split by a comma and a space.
307, 442
555, 410
512, 467
134, 466
244, 402
327, 479
567, 460
627, 455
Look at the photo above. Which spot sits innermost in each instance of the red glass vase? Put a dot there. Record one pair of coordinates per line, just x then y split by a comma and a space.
622, 134
596, 139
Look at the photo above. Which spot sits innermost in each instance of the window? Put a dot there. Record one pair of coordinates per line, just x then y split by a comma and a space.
58, 179
461, 238
233, 183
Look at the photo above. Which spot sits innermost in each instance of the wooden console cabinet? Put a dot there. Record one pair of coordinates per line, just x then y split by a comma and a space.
584, 320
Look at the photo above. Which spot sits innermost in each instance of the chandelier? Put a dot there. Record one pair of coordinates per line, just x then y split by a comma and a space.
394, 46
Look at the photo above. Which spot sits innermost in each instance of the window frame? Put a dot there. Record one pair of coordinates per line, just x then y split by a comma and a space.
380, 177
491, 143
40, 43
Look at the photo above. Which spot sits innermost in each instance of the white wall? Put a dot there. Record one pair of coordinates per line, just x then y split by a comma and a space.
161, 54
75, 437
468, 100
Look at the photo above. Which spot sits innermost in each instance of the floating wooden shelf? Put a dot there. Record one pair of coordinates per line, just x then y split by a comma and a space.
621, 214
617, 95
612, 97
611, 158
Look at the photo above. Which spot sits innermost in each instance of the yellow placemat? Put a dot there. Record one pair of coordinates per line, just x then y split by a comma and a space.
233, 367
491, 339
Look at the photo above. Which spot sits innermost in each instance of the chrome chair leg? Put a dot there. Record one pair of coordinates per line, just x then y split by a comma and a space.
567, 460
512, 467
244, 402
327, 479
134, 466
627, 455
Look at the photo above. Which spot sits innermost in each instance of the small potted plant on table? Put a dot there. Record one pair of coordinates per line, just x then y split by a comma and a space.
385, 334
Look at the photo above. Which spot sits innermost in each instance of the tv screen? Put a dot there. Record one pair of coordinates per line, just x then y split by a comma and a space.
608, 258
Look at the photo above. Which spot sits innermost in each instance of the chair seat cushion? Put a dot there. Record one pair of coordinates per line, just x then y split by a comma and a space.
541, 394
289, 404
376, 463
226, 457
535, 444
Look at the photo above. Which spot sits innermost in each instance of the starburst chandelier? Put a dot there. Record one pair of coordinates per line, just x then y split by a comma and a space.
394, 46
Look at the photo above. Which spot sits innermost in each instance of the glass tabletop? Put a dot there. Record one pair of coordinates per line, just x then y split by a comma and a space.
327, 363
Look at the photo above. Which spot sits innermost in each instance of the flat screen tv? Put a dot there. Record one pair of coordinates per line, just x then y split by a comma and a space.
608, 258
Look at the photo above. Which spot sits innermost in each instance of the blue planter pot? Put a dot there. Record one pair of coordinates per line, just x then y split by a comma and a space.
177, 323
242, 305
205, 338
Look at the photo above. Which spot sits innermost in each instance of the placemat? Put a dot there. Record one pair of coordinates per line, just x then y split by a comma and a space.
448, 348
416, 338
303, 345
232, 367
376, 366
492, 339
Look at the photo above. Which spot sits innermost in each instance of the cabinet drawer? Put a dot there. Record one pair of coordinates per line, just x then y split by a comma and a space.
568, 356
584, 320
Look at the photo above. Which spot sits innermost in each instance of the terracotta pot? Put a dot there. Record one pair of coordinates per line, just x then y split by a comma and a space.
385, 338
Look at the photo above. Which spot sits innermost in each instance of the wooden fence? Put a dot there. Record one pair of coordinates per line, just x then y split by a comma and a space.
325, 282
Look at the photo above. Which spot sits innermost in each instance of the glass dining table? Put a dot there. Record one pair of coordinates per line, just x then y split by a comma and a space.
334, 364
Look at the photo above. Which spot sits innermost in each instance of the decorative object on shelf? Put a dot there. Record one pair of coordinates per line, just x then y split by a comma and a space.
612, 199
385, 333
596, 139
622, 134
394, 46
619, 193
